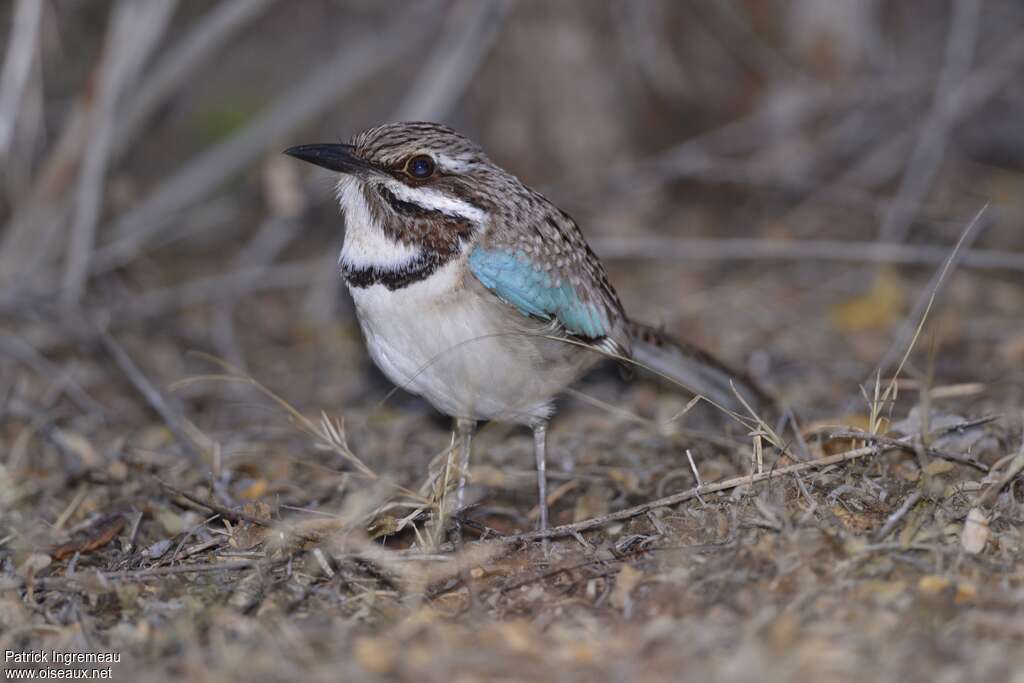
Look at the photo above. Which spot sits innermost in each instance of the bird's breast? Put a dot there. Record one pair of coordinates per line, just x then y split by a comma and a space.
461, 349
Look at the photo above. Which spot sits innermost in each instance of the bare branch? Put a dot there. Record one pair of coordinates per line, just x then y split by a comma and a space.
356, 61
822, 251
134, 31
211, 33
21, 50
931, 143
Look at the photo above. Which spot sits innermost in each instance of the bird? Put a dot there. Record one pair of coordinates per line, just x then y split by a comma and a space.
477, 293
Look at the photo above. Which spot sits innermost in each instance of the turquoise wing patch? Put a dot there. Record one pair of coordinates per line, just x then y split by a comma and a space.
515, 279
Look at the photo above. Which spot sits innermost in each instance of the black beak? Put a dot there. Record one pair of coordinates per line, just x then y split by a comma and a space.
338, 158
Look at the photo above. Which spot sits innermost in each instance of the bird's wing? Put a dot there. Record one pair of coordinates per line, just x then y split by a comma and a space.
551, 273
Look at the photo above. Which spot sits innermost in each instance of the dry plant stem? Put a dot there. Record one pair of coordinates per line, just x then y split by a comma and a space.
21, 50
181, 61
910, 447
329, 435
907, 336
929, 150
675, 499
355, 62
134, 31
461, 50
894, 518
171, 417
225, 512
22, 351
683, 496
806, 251
80, 580
154, 303
1015, 467
237, 515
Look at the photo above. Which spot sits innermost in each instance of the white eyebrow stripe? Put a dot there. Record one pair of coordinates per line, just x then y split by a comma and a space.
432, 200
450, 163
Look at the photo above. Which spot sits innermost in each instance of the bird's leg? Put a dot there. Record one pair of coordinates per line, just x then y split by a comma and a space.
464, 428
540, 432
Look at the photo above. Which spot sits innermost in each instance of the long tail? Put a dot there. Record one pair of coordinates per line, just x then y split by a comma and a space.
697, 370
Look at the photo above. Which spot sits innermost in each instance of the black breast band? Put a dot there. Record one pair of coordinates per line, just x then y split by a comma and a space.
420, 268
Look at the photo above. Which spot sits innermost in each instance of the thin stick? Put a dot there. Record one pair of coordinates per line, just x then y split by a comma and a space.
225, 512
21, 50
748, 479
150, 393
923, 166
135, 29
675, 250
79, 580
683, 496
460, 51
212, 32
1013, 469
909, 333
350, 66
895, 517
909, 446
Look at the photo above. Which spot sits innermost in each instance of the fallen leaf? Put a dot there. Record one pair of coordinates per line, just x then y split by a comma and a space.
932, 584
965, 592
254, 490
172, 522
975, 533
105, 531
877, 309
158, 549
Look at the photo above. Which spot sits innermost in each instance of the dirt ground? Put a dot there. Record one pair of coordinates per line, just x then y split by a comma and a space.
202, 473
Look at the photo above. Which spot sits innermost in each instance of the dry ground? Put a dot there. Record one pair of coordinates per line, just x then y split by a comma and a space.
201, 471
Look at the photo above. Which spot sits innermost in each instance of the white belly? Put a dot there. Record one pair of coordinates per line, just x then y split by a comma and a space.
460, 351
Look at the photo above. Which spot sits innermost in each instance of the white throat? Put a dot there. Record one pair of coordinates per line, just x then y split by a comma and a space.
366, 245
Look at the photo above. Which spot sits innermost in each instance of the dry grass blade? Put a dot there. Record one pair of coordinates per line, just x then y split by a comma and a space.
881, 397
328, 435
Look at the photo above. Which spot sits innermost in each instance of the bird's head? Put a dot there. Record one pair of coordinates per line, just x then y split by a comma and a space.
423, 184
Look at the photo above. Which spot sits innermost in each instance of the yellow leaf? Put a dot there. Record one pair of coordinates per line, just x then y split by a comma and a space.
254, 490
932, 584
878, 308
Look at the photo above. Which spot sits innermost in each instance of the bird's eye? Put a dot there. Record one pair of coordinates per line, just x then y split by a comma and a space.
420, 166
